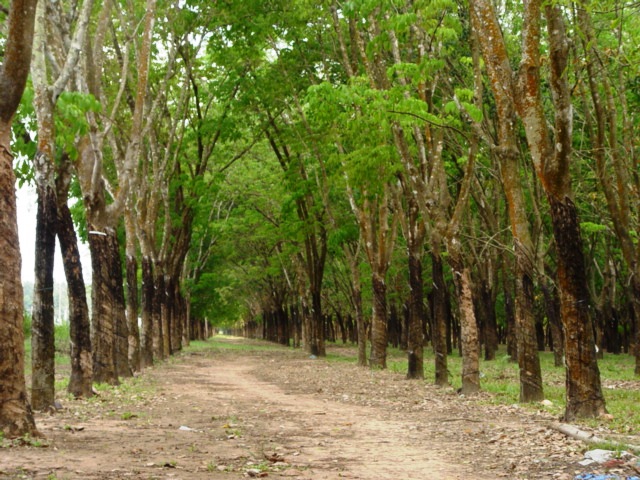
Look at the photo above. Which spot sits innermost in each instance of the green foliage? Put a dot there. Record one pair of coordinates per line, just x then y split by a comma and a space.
26, 325
590, 227
71, 120
62, 339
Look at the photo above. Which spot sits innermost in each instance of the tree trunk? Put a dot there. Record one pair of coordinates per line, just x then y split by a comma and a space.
173, 315
318, 322
103, 326
361, 327
42, 336
528, 359
552, 308
132, 291
157, 291
394, 326
162, 313
415, 340
132, 312
147, 346
584, 390
440, 314
487, 305
120, 311
510, 320
468, 329
15, 412
81, 378
16, 417
378, 357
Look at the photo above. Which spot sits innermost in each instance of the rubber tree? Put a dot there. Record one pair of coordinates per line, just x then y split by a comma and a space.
16, 418
551, 157
105, 203
47, 93
609, 124
506, 151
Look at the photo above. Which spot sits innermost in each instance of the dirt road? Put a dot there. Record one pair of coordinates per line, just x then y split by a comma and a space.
226, 414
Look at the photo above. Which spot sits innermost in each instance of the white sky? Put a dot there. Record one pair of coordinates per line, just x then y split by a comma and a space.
27, 210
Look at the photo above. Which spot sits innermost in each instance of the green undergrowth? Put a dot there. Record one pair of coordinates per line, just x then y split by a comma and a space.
62, 347
229, 343
500, 379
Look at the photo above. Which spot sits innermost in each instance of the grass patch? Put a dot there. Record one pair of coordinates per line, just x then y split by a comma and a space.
224, 342
62, 348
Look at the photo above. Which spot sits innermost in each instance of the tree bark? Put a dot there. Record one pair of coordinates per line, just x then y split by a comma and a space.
42, 336
16, 417
552, 309
361, 327
528, 359
440, 315
468, 329
116, 287
415, 341
132, 291
132, 312
584, 390
318, 321
378, 357
103, 325
81, 378
159, 330
147, 349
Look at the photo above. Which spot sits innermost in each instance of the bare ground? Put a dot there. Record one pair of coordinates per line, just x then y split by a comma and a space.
226, 414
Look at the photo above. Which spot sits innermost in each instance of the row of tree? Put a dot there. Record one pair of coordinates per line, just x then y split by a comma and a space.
295, 163
398, 129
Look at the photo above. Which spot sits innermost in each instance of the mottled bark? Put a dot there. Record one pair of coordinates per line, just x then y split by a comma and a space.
378, 357
528, 359
52, 42
159, 331
439, 325
174, 313
42, 338
116, 287
42, 327
15, 412
103, 325
501, 77
132, 312
415, 340
484, 301
468, 329
81, 377
147, 338
584, 390
318, 321
552, 309
361, 327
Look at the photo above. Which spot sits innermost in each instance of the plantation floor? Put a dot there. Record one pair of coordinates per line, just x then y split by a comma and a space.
229, 412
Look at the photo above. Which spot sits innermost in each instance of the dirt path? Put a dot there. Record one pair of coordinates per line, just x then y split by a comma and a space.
225, 414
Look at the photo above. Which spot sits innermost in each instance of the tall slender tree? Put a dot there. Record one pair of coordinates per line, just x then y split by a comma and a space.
551, 159
47, 92
15, 411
